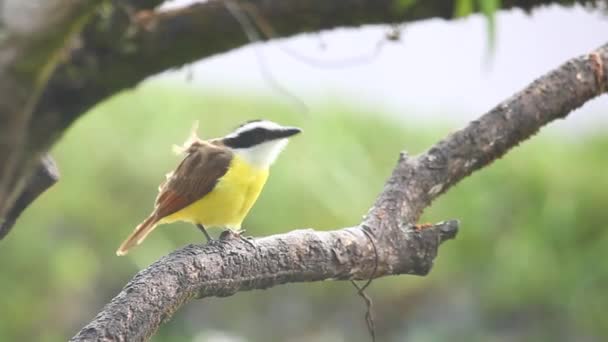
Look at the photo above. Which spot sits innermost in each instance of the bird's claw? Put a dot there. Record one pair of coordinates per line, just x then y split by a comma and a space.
229, 234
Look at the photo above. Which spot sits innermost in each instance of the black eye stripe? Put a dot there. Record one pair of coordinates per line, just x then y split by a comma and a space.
253, 137
247, 138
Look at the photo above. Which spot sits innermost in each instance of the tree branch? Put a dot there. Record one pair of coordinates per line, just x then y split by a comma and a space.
230, 265
226, 267
44, 176
138, 44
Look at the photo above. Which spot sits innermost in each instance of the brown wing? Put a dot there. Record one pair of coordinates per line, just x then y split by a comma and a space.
195, 177
199, 172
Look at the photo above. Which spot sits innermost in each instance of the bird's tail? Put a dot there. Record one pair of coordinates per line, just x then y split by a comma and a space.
138, 235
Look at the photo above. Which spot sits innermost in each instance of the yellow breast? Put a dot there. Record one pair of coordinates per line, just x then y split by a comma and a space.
229, 202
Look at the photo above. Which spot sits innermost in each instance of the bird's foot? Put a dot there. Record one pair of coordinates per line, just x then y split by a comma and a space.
238, 234
204, 231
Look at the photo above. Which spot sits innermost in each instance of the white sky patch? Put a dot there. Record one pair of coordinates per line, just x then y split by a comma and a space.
439, 70
178, 3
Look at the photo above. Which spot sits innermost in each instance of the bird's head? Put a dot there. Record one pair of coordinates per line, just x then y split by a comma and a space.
259, 142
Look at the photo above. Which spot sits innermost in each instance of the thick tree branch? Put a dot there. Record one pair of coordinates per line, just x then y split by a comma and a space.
138, 44
226, 267
230, 265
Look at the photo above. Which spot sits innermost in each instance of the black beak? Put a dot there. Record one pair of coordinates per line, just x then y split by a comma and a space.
287, 132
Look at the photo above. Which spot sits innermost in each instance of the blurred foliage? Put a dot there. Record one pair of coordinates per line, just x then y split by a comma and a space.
528, 264
462, 8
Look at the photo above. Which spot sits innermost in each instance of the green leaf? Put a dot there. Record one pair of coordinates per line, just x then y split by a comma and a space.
489, 9
463, 8
403, 5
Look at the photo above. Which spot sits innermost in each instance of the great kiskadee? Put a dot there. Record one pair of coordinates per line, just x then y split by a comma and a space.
218, 180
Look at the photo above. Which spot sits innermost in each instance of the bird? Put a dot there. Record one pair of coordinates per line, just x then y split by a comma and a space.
218, 180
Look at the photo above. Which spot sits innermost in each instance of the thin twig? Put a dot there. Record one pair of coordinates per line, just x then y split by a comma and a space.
369, 315
254, 37
267, 29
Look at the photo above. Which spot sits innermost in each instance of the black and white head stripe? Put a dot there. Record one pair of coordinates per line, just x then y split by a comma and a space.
256, 132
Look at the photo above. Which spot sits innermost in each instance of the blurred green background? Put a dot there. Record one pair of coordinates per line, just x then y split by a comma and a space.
529, 263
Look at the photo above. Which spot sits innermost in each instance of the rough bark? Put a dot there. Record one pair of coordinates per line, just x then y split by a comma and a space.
385, 243
227, 266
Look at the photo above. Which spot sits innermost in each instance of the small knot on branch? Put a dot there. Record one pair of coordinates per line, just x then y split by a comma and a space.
435, 159
403, 156
447, 229
598, 70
